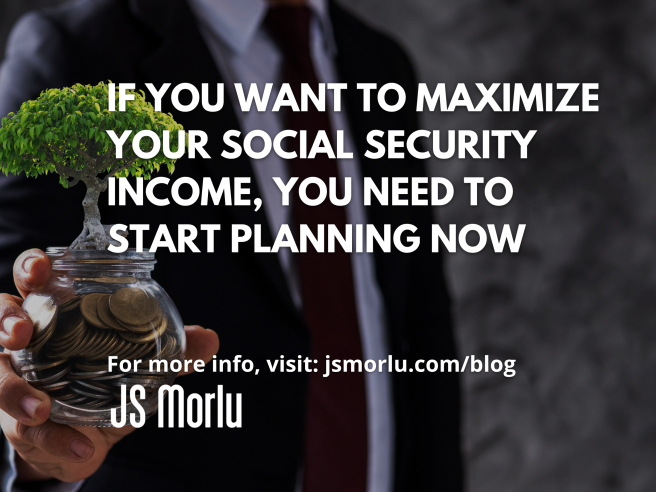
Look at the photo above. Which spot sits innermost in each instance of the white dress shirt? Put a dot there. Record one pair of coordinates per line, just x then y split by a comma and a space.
244, 53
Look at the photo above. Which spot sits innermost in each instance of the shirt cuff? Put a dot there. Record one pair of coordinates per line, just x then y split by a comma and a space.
8, 473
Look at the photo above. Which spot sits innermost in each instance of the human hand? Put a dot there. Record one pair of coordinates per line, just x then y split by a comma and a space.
46, 449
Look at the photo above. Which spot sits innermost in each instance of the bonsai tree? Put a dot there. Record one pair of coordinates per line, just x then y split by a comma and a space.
64, 131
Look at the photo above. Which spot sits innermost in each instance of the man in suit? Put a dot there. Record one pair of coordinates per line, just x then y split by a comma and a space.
354, 432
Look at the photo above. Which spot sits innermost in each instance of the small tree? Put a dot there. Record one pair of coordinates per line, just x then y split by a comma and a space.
65, 131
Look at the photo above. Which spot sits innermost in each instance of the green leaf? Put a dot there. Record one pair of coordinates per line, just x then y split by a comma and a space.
62, 120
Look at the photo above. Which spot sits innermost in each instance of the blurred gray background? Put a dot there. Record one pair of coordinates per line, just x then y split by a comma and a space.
577, 306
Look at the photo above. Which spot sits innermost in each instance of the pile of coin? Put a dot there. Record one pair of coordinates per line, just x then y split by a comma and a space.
73, 340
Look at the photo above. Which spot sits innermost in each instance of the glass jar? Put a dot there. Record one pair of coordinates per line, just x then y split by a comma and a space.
98, 304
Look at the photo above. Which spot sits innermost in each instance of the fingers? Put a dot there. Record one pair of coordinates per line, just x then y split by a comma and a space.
18, 399
24, 418
60, 441
201, 344
31, 270
15, 324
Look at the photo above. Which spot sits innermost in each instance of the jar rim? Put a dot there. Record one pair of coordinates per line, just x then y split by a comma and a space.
95, 254
63, 257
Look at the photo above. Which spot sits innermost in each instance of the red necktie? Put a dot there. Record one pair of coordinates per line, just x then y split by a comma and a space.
335, 456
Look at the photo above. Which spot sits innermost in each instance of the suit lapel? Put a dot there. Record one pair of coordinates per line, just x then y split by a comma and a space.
182, 56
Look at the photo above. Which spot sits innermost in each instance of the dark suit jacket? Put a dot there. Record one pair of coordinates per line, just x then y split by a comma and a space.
241, 296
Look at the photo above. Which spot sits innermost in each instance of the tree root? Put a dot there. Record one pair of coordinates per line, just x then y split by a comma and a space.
96, 237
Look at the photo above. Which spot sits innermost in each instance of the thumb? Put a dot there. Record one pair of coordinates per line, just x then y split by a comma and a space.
201, 344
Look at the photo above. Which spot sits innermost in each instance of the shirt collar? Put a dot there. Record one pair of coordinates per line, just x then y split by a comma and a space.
236, 21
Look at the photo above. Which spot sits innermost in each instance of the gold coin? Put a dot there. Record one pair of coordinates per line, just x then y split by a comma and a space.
133, 350
87, 329
89, 308
92, 343
106, 315
115, 347
133, 307
70, 304
63, 346
37, 345
173, 348
72, 350
44, 333
70, 338
124, 349
147, 337
146, 349
148, 327
167, 346
70, 327
105, 348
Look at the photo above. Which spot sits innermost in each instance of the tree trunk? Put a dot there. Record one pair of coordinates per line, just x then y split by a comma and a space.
93, 234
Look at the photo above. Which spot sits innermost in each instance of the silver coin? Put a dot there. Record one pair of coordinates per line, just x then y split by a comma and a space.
49, 379
41, 367
66, 397
86, 375
108, 377
94, 404
85, 392
80, 399
94, 387
55, 386
42, 312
